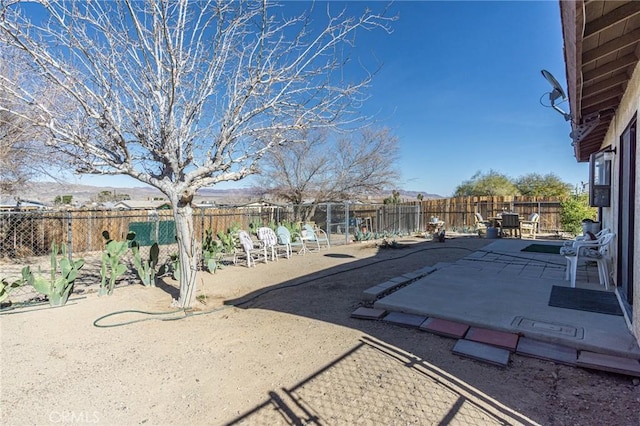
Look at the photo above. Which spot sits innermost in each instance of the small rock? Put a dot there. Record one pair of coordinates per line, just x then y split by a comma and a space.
636, 382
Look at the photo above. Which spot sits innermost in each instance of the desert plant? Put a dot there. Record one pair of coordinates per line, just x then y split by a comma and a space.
294, 229
112, 261
56, 288
229, 238
174, 265
146, 269
211, 250
6, 287
573, 211
362, 236
254, 225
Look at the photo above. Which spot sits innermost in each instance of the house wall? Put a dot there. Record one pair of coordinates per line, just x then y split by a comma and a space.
629, 106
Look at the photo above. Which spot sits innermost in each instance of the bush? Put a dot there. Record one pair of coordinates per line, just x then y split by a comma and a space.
574, 210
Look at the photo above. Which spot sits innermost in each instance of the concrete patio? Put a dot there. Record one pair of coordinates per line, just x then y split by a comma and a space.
505, 289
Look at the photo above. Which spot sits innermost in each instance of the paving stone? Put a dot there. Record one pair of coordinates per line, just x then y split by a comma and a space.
547, 351
441, 265
388, 284
613, 364
482, 352
372, 293
368, 313
445, 328
411, 275
425, 270
500, 339
407, 320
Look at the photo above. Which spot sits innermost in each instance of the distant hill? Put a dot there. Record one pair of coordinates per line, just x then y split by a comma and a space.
46, 192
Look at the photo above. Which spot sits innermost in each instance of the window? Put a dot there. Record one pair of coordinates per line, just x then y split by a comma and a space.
600, 179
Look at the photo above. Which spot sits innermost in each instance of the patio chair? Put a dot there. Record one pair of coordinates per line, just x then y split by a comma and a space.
530, 227
589, 250
510, 222
316, 236
249, 250
268, 241
481, 223
286, 240
586, 237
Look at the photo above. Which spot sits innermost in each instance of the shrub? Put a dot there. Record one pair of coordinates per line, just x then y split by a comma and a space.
574, 210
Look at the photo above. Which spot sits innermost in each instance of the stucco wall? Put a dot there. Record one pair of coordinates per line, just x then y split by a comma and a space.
629, 106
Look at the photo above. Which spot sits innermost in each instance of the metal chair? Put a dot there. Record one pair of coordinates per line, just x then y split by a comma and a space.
269, 242
249, 249
316, 236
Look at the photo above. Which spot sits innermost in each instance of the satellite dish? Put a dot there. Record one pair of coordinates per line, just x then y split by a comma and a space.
557, 89
556, 93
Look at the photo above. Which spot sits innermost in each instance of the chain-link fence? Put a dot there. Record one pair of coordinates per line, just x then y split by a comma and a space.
26, 238
30, 234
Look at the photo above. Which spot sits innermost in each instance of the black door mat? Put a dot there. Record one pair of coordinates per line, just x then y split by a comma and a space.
602, 302
542, 248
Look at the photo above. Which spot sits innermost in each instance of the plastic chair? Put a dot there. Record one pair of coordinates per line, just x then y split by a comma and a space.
585, 237
590, 250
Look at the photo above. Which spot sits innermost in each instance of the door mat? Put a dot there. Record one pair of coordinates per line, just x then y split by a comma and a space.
602, 302
542, 248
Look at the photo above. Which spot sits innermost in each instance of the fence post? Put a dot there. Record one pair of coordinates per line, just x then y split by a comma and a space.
346, 223
69, 235
202, 224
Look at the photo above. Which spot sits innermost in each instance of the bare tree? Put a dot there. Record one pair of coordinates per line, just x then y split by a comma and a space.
323, 169
23, 152
185, 94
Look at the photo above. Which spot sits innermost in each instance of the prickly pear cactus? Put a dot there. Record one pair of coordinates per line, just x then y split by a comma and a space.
57, 288
146, 269
112, 266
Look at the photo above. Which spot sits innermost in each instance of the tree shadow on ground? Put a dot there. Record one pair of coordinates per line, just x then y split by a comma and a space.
331, 295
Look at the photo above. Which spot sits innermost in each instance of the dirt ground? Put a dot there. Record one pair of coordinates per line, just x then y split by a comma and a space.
274, 345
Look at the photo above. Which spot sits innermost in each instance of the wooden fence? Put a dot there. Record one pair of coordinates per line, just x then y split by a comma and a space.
459, 213
24, 234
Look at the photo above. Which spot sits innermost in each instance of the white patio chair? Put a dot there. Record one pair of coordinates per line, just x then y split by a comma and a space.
585, 237
249, 249
268, 241
530, 227
480, 222
588, 250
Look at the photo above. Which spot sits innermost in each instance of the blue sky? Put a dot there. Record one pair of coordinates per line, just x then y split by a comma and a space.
460, 86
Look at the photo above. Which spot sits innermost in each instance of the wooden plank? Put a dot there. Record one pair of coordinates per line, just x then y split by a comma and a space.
611, 46
621, 13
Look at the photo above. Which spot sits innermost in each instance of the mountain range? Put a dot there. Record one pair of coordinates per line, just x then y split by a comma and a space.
47, 192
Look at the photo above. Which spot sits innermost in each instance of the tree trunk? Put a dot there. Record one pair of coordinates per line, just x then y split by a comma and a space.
187, 249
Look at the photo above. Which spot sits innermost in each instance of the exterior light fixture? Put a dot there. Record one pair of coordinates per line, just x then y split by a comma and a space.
609, 153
